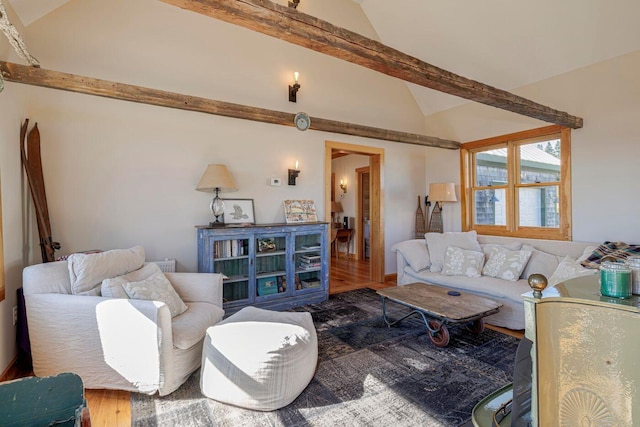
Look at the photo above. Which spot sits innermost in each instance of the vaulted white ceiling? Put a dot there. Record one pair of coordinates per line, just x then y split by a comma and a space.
504, 43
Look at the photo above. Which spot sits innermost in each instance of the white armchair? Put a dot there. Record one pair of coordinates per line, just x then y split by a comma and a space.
118, 343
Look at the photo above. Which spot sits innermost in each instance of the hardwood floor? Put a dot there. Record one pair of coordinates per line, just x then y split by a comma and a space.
349, 274
112, 408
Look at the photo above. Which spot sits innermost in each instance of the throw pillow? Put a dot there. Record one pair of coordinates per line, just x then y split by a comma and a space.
568, 269
415, 252
486, 247
156, 288
617, 250
540, 262
586, 253
506, 264
438, 243
112, 288
87, 271
460, 262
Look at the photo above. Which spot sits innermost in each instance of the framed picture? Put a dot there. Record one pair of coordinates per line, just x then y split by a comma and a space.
239, 211
267, 244
300, 211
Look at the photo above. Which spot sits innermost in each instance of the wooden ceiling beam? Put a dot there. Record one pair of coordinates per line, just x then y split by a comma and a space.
108, 89
290, 25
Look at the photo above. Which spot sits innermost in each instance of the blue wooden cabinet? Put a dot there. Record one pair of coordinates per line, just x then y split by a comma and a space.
272, 266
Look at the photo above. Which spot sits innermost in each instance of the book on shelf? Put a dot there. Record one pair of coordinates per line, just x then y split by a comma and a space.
310, 258
311, 247
310, 266
310, 283
228, 248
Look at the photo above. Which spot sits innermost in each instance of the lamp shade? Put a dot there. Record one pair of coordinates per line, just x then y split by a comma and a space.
336, 207
217, 176
443, 192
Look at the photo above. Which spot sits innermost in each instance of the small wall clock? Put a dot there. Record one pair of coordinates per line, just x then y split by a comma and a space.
302, 121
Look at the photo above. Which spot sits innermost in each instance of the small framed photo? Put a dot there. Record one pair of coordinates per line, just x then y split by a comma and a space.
239, 211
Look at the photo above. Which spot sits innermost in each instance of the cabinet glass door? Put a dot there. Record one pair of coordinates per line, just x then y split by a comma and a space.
308, 261
231, 258
271, 265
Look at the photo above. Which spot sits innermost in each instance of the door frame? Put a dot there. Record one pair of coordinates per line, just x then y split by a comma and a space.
360, 249
376, 177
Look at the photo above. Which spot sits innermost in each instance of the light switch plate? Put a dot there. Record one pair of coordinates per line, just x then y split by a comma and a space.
275, 182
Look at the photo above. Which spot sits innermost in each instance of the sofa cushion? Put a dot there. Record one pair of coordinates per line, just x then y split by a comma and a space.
568, 269
415, 252
461, 262
617, 250
439, 242
112, 288
540, 262
156, 288
506, 264
190, 327
87, 271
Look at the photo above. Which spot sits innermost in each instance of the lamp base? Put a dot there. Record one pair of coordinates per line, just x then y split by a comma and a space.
217, 224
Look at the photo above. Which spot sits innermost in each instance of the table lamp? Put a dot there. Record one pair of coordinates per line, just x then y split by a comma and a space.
440, 192
217, 179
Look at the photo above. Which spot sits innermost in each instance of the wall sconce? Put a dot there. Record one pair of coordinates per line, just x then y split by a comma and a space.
343, 187
293, 174
293, 90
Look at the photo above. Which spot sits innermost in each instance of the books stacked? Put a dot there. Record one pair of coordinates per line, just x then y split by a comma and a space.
310, 261
314, 247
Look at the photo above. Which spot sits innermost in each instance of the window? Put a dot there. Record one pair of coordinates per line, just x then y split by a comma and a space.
519, 184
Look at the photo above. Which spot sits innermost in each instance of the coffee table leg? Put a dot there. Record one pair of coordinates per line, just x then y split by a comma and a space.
438, 333
477, 326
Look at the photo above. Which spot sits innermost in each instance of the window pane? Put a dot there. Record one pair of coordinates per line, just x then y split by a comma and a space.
491, 207
491, 167
539, 207
540, 162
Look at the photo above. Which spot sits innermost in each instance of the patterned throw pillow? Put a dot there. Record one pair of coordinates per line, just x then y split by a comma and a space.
568, 269
460, 262
506, 264
438, 243
156, 288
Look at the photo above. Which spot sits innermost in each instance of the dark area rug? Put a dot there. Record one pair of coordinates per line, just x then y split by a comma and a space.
367, 375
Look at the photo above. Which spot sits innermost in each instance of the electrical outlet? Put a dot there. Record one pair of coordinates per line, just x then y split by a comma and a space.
15, 315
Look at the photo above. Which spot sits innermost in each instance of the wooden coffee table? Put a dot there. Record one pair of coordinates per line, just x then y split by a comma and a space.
440, 307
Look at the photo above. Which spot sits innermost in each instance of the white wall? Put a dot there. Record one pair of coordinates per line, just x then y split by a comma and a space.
604, 153
120, 174
12, 112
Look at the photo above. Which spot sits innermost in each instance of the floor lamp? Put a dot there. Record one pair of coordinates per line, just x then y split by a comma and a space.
440, 192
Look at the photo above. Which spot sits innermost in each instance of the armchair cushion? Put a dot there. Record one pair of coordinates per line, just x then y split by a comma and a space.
87, 271
191, 326
156, 288
112, 287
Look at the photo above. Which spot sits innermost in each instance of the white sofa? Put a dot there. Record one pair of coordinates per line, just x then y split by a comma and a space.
413, 255
118, 343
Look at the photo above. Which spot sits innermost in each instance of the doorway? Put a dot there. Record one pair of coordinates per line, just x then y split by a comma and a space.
375, 205
363, 213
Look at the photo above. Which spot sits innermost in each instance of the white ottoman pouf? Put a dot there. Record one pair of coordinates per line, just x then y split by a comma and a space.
259, 359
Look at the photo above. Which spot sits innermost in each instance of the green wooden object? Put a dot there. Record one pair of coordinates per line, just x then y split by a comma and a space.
33, 401
483, 412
